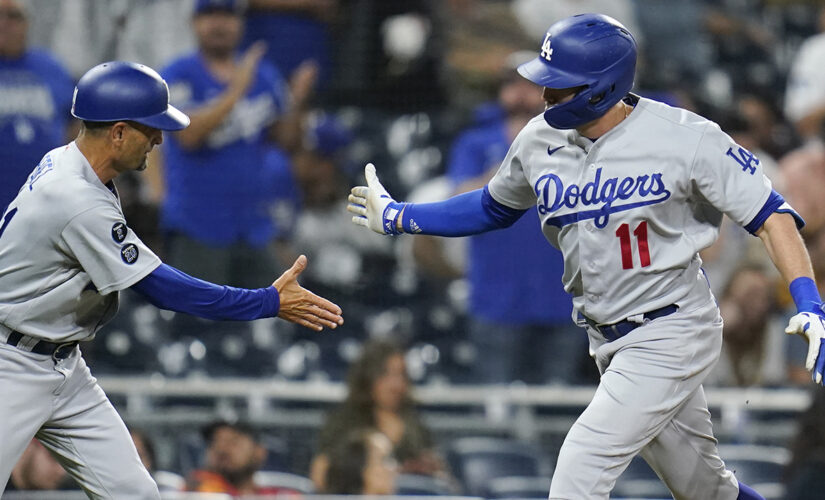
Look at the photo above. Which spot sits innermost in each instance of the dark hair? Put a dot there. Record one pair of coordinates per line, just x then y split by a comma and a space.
95, 126
347, 460
363, 373
358, 409
746, 267
208, 432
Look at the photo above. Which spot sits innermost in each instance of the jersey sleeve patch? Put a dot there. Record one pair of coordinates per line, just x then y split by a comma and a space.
119, 232
129, 253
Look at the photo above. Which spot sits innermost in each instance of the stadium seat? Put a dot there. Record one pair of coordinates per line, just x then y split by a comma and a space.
761, 467
419, 485
272, 479
512, 487
477, 460
639, 481
277, 453
754, 463
169, 481
189, 454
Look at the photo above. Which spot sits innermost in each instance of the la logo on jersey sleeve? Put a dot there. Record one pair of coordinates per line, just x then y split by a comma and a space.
744, 158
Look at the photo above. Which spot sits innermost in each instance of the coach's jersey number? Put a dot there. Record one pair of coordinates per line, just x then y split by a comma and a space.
627, 251
7, 219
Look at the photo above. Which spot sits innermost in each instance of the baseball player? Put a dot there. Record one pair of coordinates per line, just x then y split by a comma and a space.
65, 253
630, 190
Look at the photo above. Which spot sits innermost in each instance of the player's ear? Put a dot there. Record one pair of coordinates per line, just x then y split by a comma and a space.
117, 131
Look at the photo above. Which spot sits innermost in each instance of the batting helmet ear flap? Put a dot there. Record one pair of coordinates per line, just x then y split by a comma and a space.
596, 99
590, 50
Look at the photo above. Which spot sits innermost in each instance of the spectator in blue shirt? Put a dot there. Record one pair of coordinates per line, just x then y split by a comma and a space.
216, 210
300, 29
35, 98
520, 326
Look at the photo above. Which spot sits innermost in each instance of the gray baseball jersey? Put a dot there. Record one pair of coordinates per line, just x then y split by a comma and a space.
66, 251
631, 211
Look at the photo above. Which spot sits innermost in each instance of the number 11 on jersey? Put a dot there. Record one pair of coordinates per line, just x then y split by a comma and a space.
627, 251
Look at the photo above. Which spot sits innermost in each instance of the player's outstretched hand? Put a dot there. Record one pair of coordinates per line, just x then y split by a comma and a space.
301, 306
812, 327
373, 207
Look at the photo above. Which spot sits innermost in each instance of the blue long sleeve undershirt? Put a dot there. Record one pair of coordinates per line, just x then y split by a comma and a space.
466, 214
172, 289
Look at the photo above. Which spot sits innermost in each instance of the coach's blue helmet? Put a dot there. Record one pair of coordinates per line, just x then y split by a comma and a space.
123, 91
592, 51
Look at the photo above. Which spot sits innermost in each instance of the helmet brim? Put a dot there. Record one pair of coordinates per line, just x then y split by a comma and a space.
539, 72
171, 119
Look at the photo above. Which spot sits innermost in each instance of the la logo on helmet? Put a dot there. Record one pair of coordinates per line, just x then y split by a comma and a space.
546, 51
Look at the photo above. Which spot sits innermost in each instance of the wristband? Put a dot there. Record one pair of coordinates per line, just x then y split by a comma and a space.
806, 296
390, 216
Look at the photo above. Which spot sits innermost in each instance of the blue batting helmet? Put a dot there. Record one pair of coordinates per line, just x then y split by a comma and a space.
123, 91
592, 51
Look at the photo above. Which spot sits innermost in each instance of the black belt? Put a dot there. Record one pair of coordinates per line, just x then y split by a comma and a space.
618, 330
53, 349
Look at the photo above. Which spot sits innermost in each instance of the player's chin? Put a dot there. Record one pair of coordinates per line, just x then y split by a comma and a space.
143, 165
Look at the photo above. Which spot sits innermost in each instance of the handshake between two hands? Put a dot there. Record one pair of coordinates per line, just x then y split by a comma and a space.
372, 207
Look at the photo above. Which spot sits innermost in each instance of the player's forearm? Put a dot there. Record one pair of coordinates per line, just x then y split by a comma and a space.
172, 289
789, 255
206, 119
785, 247
463, 215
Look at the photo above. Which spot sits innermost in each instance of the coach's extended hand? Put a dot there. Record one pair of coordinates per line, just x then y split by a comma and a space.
373, 207
301, 306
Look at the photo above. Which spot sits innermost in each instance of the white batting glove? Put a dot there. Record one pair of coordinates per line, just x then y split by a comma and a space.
373, 207
812, 327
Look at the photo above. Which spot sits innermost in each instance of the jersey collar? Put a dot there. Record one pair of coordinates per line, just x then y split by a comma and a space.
84, 168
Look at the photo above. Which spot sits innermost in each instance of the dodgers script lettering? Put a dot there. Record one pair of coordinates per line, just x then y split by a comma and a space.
554, 196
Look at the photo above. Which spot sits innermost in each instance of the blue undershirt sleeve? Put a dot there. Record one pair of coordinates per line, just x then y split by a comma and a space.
469, 213
172, 289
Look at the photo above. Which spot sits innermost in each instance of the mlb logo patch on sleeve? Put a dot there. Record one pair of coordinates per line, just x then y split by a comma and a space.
129, 253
